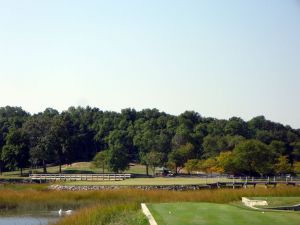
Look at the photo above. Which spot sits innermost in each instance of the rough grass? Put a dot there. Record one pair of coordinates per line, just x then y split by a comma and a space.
217, 214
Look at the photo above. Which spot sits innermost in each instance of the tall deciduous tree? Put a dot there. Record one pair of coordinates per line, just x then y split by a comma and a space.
225, 162
15, 153
154, 159
253, 156
118, 151
282, 165
179, 156
192, 165
41, 142
101, 160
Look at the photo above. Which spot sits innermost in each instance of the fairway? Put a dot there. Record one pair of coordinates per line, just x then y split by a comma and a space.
217, 214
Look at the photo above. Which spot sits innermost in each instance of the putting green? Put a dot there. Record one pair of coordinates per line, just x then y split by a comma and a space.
217, 214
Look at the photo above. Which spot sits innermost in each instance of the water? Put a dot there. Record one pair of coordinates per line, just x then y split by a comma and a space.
36, 218
25, 221
292, 208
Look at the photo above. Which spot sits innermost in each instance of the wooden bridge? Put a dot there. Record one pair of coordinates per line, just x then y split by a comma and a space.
245, 182
77, 177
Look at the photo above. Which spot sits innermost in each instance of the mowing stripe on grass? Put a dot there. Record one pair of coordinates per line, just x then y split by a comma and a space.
148, 214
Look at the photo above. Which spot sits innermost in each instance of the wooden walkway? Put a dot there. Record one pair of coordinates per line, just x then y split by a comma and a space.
245, 183
79, 177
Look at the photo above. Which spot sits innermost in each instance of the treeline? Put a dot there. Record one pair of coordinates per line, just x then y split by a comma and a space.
150, 137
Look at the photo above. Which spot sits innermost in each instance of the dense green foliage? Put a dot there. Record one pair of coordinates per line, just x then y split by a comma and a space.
77, 134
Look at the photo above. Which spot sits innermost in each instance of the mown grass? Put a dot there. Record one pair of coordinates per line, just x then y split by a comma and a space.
120, 206
78, 167
217, 214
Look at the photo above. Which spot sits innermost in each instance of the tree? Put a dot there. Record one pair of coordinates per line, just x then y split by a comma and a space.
209, 165
145, 140
59, 138
252, 157
10, 118
178, 156
296, 150
296, 167
225, 162
15, 152
41, 142
191, 165
101, 160
118, 157
278, 147
282, 165
236, 126
154, 159
213, 145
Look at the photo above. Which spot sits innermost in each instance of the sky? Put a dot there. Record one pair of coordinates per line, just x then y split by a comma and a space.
219, 58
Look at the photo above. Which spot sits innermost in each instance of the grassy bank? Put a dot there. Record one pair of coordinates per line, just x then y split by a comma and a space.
107, 207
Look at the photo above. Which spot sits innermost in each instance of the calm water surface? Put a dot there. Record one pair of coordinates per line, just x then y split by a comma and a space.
36, 218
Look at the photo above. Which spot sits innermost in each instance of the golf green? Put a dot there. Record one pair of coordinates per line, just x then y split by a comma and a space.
218, 214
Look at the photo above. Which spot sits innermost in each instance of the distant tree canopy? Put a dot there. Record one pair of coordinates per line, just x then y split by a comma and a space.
150, 137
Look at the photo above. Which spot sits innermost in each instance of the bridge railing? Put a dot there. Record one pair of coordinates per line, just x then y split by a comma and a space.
76, 177
248, 179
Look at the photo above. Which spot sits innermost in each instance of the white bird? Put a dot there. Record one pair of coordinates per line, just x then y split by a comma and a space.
68, 212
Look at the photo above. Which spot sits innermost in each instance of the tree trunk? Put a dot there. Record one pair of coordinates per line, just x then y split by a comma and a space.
103, 169
21, 171
0, 167
59, 167
44, 167
153, 170
147, 170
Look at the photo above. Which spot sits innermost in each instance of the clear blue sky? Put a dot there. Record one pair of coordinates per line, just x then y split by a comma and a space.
219, 58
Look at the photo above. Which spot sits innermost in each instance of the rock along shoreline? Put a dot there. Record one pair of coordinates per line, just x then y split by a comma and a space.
117, 187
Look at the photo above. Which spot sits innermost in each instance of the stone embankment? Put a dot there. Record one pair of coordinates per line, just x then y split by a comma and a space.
115, 187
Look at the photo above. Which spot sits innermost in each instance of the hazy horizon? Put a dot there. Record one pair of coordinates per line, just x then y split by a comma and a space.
220, 59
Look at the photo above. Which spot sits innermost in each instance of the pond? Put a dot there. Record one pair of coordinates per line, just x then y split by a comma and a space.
291, 208
32, 218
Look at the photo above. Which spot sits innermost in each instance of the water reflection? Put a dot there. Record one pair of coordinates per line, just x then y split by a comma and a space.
26, 221
36, 218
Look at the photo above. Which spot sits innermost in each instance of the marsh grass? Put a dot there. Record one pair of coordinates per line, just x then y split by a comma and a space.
121, 206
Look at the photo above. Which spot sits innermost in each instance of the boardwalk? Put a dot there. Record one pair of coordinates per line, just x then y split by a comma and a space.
79, 177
